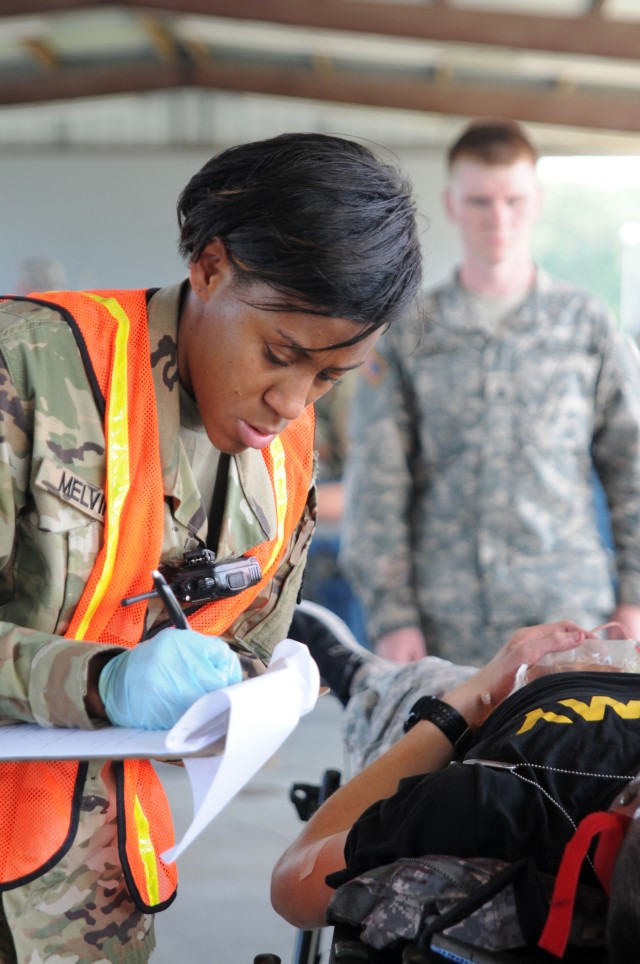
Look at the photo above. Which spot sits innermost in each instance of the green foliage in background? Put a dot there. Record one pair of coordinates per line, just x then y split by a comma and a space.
577, 237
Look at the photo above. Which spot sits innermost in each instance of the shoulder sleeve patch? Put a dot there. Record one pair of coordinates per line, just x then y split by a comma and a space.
375, 367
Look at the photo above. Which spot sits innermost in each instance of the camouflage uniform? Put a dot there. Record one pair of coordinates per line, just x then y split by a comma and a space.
470, 507
382, 693
398, 902
324, 581
51, 520
332, 435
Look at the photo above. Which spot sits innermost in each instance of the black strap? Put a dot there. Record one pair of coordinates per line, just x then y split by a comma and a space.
218, 499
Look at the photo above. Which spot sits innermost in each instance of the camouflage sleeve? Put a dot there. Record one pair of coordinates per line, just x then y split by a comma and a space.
43, 678
331, 437
42, 675
616, 455
376, 550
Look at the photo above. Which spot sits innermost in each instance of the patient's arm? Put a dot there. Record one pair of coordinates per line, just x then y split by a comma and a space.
298, 891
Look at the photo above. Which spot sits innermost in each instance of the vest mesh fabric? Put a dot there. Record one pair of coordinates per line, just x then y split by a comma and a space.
42, 800
139, 541
297, 441
148, 832
40, 808
32, 829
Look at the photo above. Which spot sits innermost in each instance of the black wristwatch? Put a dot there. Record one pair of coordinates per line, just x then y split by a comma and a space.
453, 724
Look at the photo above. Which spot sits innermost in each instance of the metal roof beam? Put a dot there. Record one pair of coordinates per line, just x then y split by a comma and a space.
574, 108
590, 34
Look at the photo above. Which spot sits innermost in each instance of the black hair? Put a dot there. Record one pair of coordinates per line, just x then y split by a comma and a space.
318, 218
623, 918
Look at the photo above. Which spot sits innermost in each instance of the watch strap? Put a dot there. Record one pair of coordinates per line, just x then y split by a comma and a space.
445, 717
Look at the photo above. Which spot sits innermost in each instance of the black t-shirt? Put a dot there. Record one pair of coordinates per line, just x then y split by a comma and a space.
587, 722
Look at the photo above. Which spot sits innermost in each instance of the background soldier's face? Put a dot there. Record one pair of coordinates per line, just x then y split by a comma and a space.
495, 208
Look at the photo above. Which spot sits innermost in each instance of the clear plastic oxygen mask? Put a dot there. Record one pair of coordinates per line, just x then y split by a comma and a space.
592, 655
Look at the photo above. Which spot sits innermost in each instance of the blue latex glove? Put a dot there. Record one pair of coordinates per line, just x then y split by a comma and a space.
153, 684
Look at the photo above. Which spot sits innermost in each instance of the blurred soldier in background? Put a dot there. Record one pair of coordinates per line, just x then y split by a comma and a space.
470, 504
324, 582
41, 274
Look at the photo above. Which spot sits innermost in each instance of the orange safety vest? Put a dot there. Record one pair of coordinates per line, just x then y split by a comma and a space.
40, 802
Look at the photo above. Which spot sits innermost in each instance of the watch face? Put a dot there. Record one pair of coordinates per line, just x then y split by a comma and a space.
419, 711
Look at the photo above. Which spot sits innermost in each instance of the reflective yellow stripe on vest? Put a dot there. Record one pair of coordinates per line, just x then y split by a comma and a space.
118, 482
147, 852
280, 488
117, 441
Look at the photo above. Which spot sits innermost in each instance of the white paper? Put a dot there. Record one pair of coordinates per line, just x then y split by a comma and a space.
224, 738
261, 713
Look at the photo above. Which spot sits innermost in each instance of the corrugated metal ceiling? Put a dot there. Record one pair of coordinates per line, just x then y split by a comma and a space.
191, 71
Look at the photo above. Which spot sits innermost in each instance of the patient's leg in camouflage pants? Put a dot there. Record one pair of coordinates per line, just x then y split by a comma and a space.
382, 693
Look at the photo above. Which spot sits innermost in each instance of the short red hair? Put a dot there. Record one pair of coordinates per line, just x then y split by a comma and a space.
493, 141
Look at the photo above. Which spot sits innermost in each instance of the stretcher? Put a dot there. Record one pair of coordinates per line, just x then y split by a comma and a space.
342, 944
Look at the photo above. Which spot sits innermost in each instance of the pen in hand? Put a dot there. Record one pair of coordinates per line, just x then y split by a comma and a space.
172, 668
171, 604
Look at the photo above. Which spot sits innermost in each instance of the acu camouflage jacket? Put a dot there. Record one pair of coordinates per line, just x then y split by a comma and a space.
469, 480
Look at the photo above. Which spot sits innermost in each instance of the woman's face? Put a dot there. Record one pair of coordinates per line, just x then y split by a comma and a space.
252, 370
